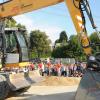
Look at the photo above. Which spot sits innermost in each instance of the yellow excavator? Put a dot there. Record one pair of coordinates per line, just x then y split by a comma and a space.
89, 88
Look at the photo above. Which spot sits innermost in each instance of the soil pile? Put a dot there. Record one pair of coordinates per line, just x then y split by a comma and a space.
59, 81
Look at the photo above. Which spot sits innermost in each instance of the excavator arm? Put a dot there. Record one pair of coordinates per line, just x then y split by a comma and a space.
16, 7
77, 18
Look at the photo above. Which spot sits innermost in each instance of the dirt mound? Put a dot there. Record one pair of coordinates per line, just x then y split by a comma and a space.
59, 81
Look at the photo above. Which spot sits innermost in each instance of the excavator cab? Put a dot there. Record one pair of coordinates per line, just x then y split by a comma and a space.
13, 48
16, 46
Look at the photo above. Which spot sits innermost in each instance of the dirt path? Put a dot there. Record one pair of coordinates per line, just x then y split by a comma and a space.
47, 93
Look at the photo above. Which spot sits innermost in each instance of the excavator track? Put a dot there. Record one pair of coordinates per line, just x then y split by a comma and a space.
4, 88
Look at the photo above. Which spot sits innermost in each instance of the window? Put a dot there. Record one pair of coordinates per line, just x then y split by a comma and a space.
22, 43
11, 43
21, 40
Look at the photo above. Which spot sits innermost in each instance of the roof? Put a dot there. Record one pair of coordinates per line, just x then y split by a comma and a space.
14, 29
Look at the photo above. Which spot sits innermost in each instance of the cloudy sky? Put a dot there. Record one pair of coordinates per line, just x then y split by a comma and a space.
55, 19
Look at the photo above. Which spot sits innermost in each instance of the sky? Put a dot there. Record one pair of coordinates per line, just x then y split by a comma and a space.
54, 19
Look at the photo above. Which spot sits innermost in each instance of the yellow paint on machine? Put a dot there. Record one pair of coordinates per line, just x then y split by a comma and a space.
22, 64
17, 7
77, 20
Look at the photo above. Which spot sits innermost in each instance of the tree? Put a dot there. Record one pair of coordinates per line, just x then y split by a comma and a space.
20, 26
60, 50
75, 46
57, 41
39, 43
94, 39
73, 43
63, 37
10, 23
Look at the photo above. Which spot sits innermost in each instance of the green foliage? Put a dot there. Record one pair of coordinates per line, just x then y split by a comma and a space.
10, 23
63, 38
57, 41
73, 47
40, 43
70, 50
74, 44
20, 26
94, 39
61, 52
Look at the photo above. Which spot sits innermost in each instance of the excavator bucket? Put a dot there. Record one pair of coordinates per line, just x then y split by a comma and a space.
18, 81
24, 80
35, 76
89, 88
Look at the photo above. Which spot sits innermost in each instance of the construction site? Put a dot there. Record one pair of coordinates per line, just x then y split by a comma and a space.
74, 75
